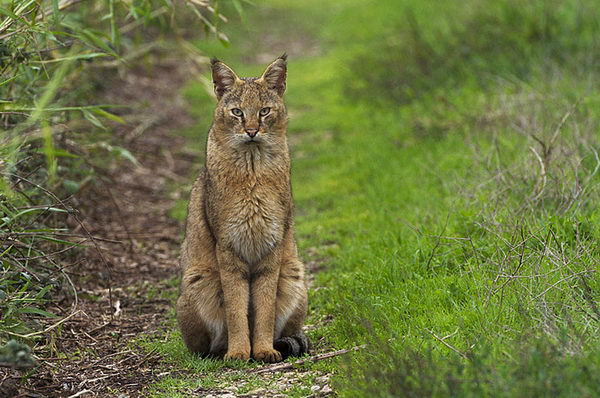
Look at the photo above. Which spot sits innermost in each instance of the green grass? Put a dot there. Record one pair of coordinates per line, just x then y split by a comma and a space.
445, 172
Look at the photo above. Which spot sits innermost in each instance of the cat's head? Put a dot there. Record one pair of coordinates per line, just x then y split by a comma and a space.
250, 110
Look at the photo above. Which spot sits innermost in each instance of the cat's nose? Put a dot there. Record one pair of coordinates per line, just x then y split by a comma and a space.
251, 132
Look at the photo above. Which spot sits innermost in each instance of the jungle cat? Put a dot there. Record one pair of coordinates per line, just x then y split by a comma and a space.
243, 292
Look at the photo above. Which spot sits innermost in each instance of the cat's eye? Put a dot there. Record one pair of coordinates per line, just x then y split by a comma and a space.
237, 112
264, 111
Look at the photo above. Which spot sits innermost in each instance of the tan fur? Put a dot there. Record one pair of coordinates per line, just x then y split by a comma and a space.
243, 285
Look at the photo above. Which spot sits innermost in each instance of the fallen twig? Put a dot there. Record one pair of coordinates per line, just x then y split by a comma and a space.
152, 353
98, 328
29, 335
442, 340
80, 393
315, 358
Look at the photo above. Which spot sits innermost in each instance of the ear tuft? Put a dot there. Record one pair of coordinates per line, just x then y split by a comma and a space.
275, 74
223, 77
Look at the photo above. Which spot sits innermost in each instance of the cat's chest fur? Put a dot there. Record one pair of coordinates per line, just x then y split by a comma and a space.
255, 223
251, 214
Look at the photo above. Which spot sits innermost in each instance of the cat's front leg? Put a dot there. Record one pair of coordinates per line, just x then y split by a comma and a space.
236, 294
263, 290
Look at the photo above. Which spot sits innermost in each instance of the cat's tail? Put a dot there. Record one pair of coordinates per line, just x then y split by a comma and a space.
292, 346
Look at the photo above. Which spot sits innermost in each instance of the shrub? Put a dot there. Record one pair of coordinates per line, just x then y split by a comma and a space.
437, 49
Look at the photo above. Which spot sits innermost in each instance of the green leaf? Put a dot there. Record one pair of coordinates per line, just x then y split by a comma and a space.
92, 119
238, 7
108, 115
72, 58
223, 39
64, 242
125, 154
55, 12
65, 154
115, 33
14, 16
8, 220
36, 311
6, 82
92, 37
42, 293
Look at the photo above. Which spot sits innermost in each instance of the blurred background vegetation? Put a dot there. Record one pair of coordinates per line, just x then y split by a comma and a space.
445, 174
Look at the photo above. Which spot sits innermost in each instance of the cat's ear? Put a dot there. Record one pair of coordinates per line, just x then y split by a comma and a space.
223, 77
275, 74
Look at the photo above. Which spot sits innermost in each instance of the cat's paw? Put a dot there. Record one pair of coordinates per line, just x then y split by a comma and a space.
239, 355
268, 355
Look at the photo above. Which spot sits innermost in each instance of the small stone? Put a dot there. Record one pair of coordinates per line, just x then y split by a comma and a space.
315, 388
322, 380
326, 390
